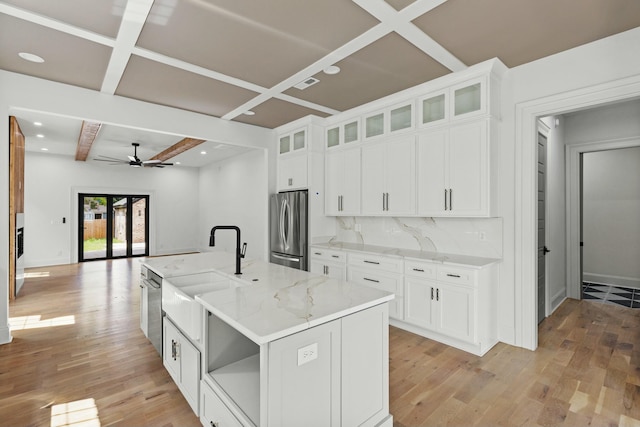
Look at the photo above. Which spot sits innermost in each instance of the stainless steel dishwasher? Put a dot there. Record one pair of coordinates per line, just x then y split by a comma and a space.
151, 307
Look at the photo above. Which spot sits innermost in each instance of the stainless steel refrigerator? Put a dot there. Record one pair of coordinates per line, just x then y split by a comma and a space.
288, 229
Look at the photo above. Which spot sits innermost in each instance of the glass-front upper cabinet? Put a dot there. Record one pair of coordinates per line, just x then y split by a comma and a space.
401, 117
468, 98
343, 133
433, 108
294, 141
374, 125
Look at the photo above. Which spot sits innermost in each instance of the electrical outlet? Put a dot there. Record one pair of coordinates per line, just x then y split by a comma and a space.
307, 354
357, 228
482, 235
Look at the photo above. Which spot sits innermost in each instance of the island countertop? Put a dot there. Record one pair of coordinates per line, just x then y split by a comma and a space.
271, 301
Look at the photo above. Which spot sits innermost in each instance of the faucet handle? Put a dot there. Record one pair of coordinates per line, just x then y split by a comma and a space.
244, 250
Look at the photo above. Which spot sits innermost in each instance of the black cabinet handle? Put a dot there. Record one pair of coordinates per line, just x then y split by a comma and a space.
372, 262
418, 269
453, 275
371, 280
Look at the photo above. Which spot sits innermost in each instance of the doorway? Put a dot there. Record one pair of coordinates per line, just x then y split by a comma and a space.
112, 226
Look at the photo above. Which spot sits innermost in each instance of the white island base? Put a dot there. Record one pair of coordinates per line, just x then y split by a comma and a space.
333, 374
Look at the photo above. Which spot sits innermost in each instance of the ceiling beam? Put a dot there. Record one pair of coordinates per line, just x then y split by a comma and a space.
177, 148
88, 133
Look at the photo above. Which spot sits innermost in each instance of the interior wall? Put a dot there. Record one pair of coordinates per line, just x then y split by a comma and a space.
235, 192
611, 217
52, 183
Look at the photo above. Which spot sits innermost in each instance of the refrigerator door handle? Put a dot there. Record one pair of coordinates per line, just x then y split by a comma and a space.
286, 258
286, 217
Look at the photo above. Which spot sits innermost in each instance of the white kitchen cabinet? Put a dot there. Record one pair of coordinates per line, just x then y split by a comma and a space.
292, 172
440, 307
182, 360
343, 133
342, 182
451, 304
328, 262
390, 120
379, 272
453, 171
292, 141
465, 100
388, 177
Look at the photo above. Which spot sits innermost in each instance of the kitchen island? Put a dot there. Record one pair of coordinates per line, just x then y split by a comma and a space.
278, 346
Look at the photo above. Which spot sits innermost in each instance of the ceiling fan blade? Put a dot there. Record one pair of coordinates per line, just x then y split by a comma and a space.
111, 161
110, 158
133, 159
147, 162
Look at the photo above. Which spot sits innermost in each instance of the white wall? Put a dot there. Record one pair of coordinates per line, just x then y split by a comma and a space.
236, 192
611, 217
52, 184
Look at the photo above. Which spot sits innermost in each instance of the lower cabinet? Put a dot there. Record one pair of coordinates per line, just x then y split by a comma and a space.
441, 307
452, 304
334, 374
328, 262
182, 360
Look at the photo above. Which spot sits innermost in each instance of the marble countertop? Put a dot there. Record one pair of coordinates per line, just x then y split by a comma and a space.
451, 259
272, 301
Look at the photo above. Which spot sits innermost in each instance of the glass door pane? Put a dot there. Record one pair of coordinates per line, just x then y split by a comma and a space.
119, 228
139, 226
93, 229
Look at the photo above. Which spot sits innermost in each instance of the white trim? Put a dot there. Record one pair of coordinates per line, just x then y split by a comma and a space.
526, 113
629, 282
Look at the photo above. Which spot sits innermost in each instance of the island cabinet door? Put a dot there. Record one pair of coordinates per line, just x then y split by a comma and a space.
304, 378
365, 367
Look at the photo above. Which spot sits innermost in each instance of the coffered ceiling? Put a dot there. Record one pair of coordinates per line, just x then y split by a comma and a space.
225, 58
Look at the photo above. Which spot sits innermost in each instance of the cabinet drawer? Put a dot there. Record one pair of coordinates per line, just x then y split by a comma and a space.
376, 262
328, 255
214, 412
425, 270
462, 276
375, 279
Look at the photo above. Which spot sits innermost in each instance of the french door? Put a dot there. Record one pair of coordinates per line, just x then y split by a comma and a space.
112, 226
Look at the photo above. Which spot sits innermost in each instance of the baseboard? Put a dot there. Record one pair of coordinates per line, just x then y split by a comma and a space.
5, 335
627, 282
557, 299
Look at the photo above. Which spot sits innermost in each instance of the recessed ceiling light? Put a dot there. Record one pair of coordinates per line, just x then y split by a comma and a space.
44, 149
40, 135
37, 123
203, 152
332, 69
177, 163
249, 113
31, 57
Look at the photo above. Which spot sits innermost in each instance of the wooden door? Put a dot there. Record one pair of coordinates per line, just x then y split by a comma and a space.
16, 194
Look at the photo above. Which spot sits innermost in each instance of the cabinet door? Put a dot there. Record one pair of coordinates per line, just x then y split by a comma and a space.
468, 179
431, 173
419, 303
456, 311
317, 267
336, 271
373, 165
400, 177
351, 183
292, 172
190, 372
334, 180
171, 353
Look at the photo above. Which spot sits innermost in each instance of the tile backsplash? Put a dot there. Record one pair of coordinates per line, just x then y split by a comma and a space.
465, 236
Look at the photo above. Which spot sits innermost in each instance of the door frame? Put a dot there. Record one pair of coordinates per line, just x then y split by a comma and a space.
572, 159
75, 193
111, 222
525, 252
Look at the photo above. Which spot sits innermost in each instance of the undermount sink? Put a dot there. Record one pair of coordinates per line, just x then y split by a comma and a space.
178, 299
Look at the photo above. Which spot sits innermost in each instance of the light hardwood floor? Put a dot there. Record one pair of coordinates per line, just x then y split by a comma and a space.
87, 344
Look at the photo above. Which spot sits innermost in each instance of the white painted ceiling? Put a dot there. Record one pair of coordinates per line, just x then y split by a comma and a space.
226, 57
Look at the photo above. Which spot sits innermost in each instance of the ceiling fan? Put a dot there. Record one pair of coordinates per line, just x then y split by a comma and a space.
134, 160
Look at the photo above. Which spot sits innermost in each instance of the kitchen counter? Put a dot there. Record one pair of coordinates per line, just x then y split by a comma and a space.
451, 259
271, 301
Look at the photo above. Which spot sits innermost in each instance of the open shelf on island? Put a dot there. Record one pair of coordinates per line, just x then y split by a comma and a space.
241, 382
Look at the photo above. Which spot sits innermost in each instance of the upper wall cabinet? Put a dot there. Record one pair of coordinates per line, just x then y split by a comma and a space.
389, 121
292, 142
461, 101
343, 134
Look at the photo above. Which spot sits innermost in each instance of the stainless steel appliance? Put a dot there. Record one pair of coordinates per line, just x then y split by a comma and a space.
288, 229
19, 251
151, 307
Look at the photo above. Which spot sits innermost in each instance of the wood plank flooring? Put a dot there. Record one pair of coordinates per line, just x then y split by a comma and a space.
87, 344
